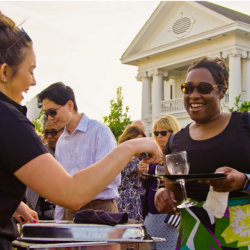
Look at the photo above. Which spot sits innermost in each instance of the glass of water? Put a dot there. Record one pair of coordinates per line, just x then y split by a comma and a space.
177, 164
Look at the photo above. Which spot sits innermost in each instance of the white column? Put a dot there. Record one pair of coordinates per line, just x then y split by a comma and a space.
234, 77
146, 92
245, 80
156, 93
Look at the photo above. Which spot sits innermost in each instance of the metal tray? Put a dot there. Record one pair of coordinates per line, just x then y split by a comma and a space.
70, 232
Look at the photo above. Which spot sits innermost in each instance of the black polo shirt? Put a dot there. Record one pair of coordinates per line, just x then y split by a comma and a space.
19, 144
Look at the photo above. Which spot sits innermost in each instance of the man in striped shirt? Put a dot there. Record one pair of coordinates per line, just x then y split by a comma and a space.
83, 142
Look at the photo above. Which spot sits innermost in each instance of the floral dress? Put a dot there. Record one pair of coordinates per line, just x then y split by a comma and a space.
130, 191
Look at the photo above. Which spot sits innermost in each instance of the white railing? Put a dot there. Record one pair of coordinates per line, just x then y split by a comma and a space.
172, 106
177, 106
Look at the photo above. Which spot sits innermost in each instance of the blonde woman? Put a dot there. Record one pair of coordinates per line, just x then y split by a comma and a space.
155, 223
163, 128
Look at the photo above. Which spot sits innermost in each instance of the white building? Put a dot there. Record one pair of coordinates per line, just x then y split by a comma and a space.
33, 111
177, 33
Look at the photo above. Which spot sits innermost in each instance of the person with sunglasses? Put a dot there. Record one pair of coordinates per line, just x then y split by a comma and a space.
24, 161
83, 142
155, 222
215, 141
51, 135
42, 206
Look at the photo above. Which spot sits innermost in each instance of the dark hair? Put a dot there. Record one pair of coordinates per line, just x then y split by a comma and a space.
130, 132
45, 119
59, 93
13, 42
216, 67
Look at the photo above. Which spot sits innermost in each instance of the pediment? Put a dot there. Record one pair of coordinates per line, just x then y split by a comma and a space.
173, 22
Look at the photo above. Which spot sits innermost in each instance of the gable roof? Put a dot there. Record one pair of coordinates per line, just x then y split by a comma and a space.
194, 20
232, 14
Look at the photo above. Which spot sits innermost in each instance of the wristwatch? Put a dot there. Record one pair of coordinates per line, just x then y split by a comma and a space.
246, 186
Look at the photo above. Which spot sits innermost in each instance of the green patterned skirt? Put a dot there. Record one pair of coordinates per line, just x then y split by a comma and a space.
201, 230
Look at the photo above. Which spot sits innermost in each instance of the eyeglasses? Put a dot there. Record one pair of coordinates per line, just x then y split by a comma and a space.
51, 112
53, 132
202, 88
163, 133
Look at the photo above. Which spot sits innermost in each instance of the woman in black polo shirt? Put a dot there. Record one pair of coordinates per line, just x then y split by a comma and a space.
23, 159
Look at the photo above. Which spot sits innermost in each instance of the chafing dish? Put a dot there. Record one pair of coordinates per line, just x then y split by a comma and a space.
66, 231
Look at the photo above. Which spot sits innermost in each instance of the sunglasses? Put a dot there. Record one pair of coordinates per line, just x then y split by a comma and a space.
53, 132
163, 133
202, 88
51, 112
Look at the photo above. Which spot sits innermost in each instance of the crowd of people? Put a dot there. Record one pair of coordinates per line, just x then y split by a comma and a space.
79, 165
30, 164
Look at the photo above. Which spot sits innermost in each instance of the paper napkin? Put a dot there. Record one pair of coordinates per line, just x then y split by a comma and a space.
216, 203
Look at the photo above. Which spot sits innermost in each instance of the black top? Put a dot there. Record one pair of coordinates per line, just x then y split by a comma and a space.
19, 144
230, 148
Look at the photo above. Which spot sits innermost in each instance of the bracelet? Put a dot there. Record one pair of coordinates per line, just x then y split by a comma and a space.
246, 186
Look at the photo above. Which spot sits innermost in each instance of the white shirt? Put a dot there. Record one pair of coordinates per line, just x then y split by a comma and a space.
90, 142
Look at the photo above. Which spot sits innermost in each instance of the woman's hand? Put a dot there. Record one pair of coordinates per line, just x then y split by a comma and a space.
146, 145
28, 215
142, 167
165, 201
234, 180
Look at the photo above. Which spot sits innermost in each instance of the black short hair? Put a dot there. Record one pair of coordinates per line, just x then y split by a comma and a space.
59, 93
216, 66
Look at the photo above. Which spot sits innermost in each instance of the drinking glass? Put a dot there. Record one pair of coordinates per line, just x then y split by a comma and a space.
177, 164
159, 170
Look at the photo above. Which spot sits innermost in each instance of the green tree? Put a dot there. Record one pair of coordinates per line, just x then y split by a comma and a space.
241, 106
38, 123
117, 120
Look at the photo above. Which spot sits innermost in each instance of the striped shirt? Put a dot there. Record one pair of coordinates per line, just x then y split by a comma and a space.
90, 142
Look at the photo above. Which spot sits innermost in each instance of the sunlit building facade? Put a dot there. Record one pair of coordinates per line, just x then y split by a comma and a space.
177, 33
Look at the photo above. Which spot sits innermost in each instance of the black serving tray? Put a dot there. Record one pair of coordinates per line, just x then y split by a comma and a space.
189, 176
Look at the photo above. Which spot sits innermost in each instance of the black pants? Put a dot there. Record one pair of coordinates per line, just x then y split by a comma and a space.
5, 244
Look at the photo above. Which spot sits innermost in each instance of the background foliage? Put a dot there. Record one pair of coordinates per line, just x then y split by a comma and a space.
117, 120
240, 106
38, 123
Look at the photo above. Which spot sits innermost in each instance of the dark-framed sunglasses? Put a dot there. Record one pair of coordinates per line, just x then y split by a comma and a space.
163, 132
51, 112
202, 87
53, 132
